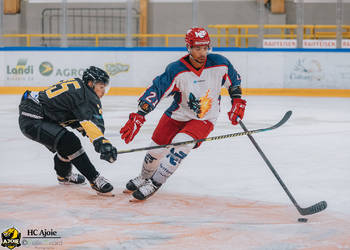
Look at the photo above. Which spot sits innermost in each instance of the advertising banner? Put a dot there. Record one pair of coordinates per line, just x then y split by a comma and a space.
43, 68
319, 44
345, 43
258, 69
280, 43
317, 70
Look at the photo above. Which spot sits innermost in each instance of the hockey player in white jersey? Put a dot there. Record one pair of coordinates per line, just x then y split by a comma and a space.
195, 83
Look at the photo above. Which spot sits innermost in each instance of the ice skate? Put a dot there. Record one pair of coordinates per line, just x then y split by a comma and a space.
145, 191
134, 184
102, 186
71, 179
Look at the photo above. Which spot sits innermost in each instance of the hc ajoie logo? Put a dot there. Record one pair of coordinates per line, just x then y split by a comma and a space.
200, 34
11, 238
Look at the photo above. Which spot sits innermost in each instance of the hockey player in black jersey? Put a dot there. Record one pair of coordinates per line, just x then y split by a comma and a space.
44, 115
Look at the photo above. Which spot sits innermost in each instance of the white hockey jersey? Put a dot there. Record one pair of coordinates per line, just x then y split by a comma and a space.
196, 93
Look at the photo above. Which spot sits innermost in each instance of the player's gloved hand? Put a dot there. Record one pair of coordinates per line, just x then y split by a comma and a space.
132, 127
106, 149
237, 110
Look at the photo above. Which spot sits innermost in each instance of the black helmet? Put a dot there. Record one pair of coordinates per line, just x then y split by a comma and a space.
95, 74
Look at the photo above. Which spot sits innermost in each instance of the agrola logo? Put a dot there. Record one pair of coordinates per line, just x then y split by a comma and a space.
46, 68
11, 238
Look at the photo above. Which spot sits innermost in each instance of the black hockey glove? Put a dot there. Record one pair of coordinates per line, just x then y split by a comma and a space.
106, 149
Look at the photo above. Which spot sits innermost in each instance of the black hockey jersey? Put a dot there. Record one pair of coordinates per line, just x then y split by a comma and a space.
73, 103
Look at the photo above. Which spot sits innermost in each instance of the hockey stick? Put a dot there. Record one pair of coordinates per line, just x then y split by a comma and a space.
318, 207
280, 123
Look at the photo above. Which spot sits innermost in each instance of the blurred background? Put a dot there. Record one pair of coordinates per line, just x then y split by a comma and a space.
231, 23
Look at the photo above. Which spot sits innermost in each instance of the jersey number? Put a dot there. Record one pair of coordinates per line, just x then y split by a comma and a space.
151, 96
61, 87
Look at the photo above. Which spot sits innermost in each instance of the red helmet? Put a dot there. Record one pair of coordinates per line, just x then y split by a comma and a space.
197, 37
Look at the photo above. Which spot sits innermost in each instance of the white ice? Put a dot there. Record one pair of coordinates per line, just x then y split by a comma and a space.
311, 152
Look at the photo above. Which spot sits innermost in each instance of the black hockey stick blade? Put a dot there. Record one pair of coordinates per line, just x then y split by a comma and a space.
318, 207
284, 119
213, 138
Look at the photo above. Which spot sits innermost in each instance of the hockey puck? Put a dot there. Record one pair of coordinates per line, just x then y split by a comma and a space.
302, 220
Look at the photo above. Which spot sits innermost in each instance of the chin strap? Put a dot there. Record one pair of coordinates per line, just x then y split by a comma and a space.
195, 59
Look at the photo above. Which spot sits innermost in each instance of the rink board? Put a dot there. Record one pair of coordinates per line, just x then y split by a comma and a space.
134, 91
290, 72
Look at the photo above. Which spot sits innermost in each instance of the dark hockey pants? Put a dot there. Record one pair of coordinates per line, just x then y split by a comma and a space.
57, 139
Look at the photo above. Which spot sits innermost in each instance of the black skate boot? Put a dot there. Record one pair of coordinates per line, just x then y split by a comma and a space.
102, 186
134, 184
146, 190
71, 179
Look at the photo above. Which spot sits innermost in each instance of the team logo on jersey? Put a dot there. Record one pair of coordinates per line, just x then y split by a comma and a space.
46, 68
99, 109
198, 81
11, 238
200, 106
200, 34
115, 68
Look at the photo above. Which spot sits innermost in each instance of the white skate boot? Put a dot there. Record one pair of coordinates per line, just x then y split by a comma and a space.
71, 179
146, 190
102, 186
134, 184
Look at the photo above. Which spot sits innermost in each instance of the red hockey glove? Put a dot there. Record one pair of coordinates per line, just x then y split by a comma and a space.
237, 110
132, 127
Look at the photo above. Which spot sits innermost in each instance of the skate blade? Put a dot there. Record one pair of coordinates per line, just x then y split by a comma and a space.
70, 183
108, 194
134, 200
127, 191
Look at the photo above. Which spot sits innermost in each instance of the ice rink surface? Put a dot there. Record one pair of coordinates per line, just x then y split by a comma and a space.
223, 196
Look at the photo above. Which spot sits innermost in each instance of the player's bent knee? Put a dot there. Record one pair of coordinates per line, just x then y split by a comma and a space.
158, 152
184, 137
69, 146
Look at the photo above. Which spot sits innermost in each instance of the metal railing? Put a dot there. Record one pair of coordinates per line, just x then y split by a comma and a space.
285, 31
86, 21
241, 32
96, 37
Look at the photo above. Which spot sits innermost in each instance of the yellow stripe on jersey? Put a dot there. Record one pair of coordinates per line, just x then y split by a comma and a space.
92, 131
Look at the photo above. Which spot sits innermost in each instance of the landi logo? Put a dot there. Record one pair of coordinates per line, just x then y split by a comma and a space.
11, 238
20, 69
46, 68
